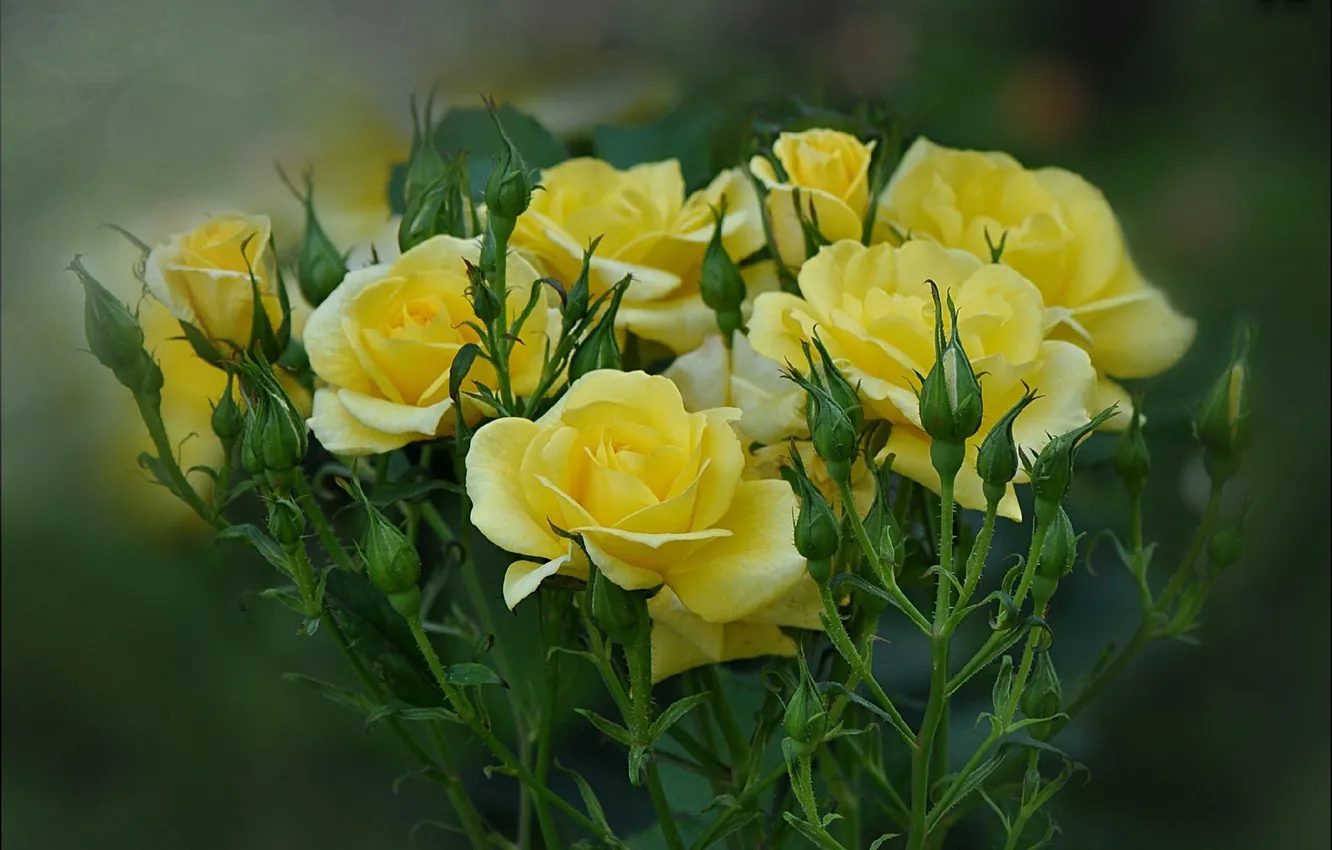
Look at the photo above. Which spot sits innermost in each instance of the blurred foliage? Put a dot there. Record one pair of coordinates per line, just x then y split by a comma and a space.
142, 702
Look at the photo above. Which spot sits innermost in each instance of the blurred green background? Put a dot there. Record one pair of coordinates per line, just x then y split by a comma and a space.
141, 700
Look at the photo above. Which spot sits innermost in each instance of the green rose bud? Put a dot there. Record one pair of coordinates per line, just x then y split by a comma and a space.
620, 613
599, 349
1043, 696
509, 188
485, 303
817, 531
1133, 461
722, 287
390, 559
286, 522
881, 524
997, 462
320, 267
1223, 421
806, 718
575, 306
228, 420
113, 333
950, 395
1058, 554
1051, 472
277, 432
832, 411
1225, 548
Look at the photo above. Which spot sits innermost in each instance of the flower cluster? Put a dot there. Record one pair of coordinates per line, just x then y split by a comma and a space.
704, 426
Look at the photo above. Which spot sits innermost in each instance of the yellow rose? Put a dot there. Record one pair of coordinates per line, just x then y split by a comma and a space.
712, 375
1062, 236
655, 492
384, 341
873, 310
203, 276
648, 229
772, 409
830, 172
682, 640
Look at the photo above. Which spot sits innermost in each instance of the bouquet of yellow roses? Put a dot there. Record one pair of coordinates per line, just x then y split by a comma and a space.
742, 406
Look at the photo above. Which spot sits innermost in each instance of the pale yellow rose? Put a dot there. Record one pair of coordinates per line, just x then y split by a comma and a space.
712, 375
384, 341
682, 640
829, 171
204, 276
873, 310
1062, 236
649, 230
772, 410
655, 492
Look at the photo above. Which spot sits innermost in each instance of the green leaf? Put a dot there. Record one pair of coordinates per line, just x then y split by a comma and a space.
608, 728
409, 491
878, 842
337, 694
816, 835
590, 802
262, 543
202, 345
471, 674
673, 713
381, 637
159, 473
684, 134
286, 597
473, 131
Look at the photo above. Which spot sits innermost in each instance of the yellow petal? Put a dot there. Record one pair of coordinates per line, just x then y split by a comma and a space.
732, 577
343, 434
638, 561
682, 641
837, 221
523, 578
331, 354
1107, 393
701, 375
774, 328
1138, 339
418, 423
500, 509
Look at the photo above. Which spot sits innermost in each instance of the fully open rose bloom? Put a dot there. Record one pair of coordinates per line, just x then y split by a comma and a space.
873, 310
1060, 233
648, 229
384, 341
772, 410
657, 495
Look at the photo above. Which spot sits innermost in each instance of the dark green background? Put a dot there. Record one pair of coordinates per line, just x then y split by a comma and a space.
141, 699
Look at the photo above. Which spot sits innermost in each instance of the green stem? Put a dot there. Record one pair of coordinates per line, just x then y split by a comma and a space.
663, 808
166, 457
884, 573
747, 798
470, 818
550, 696
976, 561
327, 537
223, 481
736, 744
464, 709
1139, 564
991, 649
836, 631
926, 742
1200, 536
